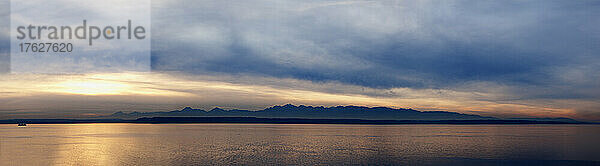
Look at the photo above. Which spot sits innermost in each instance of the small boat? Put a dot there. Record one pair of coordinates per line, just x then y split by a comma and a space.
22, 124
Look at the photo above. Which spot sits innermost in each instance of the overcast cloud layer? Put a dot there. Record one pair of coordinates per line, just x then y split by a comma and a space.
541, 49
383, 44
538, 52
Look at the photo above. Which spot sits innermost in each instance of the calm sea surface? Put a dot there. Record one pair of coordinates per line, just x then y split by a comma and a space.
266, 144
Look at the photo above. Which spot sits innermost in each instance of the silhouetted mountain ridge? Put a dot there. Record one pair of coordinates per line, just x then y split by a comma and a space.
310, 112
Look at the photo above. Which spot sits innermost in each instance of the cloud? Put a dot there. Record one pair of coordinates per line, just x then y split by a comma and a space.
500, 58
381, 44
538, 51
104, 54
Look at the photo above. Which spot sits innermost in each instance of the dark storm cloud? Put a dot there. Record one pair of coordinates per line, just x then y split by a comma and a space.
380, 44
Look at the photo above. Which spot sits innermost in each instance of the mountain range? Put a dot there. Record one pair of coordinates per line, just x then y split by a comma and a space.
310, 112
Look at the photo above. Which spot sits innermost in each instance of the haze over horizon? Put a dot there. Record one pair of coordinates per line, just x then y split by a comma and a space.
503, 59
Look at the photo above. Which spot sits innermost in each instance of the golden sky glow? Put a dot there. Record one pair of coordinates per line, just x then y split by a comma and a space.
175, 91
107, 84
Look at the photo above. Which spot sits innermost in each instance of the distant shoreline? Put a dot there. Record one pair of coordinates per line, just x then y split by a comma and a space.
255, 120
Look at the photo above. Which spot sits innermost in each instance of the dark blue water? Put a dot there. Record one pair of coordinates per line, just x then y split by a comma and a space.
255, 144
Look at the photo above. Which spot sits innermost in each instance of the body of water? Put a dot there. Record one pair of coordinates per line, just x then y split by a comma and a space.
274, 144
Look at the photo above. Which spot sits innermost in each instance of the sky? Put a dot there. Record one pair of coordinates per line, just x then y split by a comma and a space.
537, 58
